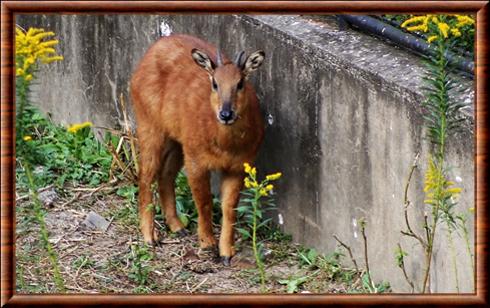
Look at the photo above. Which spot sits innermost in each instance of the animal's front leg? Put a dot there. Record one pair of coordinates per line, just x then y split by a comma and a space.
230, 192
201, 193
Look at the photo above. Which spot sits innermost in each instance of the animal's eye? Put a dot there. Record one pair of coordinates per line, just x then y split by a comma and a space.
240, 84
215, 85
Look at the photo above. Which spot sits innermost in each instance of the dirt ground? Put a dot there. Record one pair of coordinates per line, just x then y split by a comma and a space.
98, 261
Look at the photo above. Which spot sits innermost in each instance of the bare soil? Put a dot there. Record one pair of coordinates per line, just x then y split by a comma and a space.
96, 261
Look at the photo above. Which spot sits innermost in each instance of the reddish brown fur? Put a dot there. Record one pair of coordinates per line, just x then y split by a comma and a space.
176, 115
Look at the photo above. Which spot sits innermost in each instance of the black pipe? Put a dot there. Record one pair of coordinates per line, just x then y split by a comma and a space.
397, 36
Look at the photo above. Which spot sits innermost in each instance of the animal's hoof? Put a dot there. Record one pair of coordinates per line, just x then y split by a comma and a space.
153, 243
226, 261
182, 233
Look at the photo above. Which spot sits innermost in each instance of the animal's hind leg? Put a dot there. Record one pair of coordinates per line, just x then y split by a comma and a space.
150, 144
171, 164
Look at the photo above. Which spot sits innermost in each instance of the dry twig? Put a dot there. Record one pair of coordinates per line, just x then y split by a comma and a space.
348, 250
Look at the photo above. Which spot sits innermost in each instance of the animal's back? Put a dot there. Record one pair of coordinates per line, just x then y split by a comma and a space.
167, 84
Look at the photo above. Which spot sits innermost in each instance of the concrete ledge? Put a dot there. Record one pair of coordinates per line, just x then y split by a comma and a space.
344, 122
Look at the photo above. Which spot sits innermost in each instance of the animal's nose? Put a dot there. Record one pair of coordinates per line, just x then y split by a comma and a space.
225, 115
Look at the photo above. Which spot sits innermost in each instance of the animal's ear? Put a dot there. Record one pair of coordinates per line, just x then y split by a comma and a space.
253, 62
203, 60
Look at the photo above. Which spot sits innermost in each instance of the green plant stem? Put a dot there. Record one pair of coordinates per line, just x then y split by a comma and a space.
468, 246
258, 260
453, 255
22, 96
53, 257
440, 164
435, 219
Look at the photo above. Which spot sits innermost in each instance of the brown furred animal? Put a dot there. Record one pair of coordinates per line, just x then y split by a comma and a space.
194, 108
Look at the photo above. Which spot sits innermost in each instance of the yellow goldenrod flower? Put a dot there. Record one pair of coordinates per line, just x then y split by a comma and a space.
76, 127
30, 47
269, 187
272, 177
432, 38
247, 183
27, 138
52, 59
263, 192
247, 167
413, 20
443, 28
453, 191
253, 172
254, 184
464, 20
455, 32
418, 28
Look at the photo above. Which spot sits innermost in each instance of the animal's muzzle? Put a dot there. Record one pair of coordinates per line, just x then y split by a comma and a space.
226, 115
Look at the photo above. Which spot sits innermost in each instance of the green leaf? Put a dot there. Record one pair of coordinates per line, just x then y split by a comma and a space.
184, 219
244, 233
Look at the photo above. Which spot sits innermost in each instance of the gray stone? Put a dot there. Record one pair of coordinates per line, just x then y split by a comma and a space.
95, 221
48, 196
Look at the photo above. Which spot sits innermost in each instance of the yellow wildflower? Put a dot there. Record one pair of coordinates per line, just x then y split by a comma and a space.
269, 187
422, 27
418, 27
28, 77
443, 28
455, 32
253, 172
247, 183
263, 192
453, 191
76, 127
254, 184
51, 59
413, 20
247, 167
432, 38
30, 47
464, 20
27, 138
272, 177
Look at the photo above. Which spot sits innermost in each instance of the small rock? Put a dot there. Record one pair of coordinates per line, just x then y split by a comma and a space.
95, 221
48, 197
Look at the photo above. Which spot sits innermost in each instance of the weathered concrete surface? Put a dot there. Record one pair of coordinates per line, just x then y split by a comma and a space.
344, 124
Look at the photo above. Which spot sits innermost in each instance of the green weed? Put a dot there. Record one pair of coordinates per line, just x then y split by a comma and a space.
140, 257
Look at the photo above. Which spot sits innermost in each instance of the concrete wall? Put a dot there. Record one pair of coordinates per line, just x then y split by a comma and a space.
344, 123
